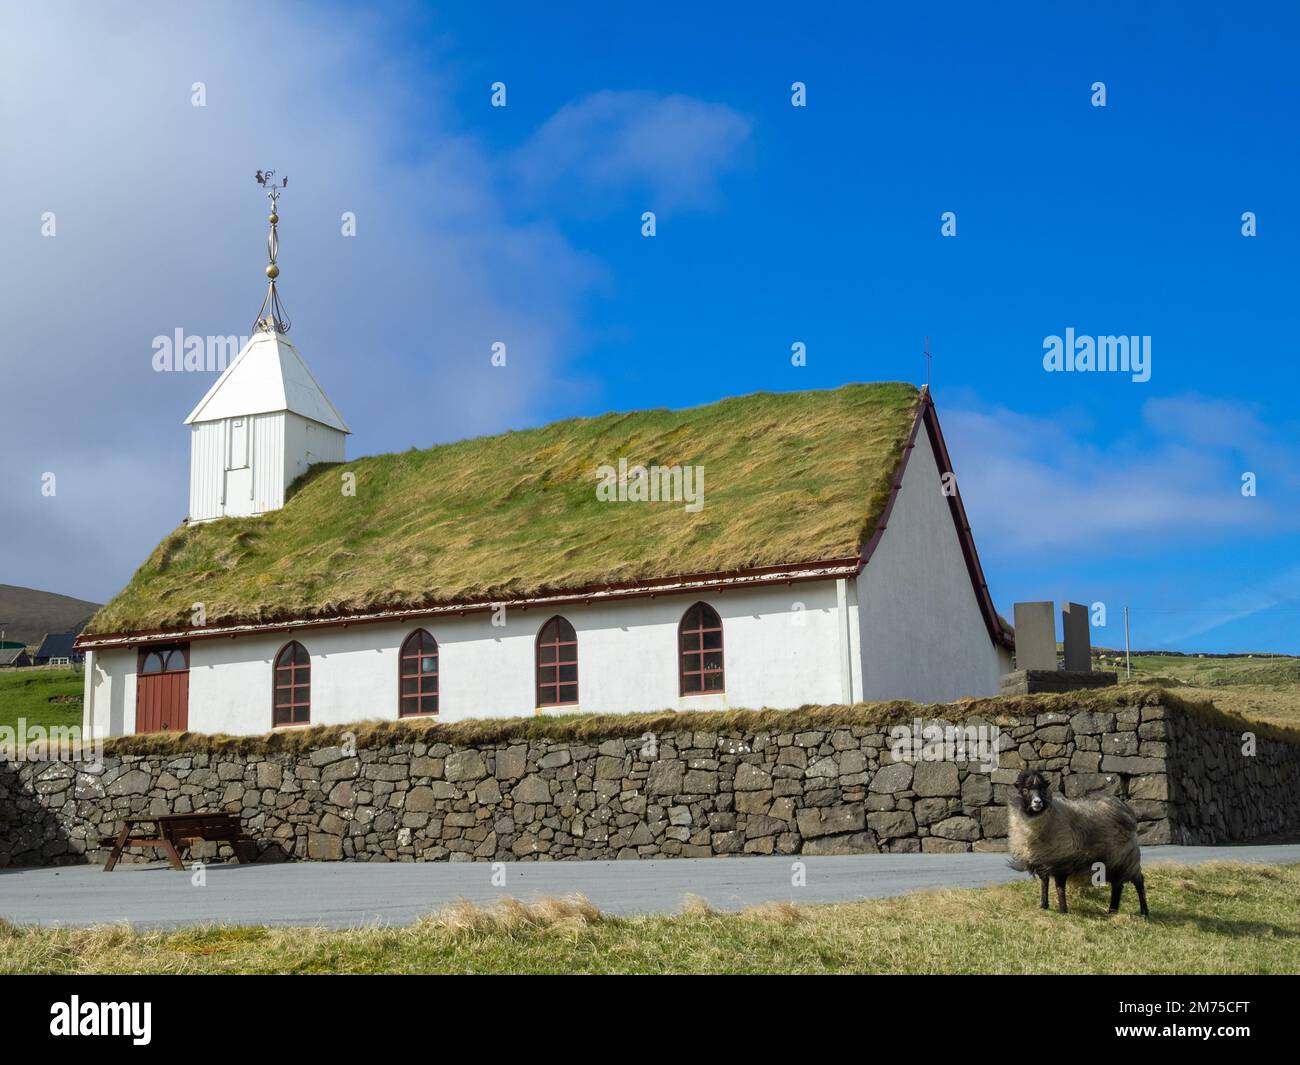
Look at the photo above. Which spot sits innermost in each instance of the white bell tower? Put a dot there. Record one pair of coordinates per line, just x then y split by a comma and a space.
265, 420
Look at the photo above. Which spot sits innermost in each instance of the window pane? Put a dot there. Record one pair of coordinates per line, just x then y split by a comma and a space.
569, 672
568, 693
713, 682
713, 639
429, 664
713, 660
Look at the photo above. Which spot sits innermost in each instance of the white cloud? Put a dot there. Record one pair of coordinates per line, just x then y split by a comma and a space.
670, 149
1034, 483
160, 226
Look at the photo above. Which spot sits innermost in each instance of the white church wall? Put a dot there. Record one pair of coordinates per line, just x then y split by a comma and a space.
109, 701
781, 649
922, 634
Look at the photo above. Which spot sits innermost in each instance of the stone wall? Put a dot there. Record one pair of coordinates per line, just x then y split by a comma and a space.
685, 790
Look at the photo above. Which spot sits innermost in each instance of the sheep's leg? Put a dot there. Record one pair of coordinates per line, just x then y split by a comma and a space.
1141, 886
1060, 894
1116, 890
1043, 903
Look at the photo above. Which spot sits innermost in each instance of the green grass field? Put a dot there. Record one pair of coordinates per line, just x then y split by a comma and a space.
1262, 689
1223, 918
41, 696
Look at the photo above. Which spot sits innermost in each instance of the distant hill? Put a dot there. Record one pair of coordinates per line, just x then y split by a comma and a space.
27, 615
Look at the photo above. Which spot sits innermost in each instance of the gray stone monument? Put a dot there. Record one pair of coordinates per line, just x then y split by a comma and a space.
1036, 669
1035, 635
1078, 638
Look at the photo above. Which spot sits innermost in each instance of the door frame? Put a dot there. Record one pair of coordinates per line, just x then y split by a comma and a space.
167, 654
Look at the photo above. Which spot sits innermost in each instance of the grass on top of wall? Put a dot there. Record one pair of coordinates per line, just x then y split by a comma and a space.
1215, 918
593, 728
788, 478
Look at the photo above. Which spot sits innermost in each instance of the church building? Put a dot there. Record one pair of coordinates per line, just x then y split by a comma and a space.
770, 550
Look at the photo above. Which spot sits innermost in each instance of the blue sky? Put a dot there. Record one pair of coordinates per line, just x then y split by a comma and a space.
775, 224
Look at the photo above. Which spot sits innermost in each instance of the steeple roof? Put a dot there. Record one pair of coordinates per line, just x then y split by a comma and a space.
268, 375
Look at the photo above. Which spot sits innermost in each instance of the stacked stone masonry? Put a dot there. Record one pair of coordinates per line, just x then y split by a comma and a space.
698, 793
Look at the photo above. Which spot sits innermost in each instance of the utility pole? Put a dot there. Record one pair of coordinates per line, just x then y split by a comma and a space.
1128, 665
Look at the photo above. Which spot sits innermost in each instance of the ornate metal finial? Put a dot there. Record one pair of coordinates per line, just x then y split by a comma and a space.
271, 318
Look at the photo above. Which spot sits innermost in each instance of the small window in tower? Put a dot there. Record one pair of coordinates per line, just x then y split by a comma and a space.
238, 444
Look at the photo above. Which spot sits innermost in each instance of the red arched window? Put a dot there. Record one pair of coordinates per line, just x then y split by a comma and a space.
419, 675
699, 638
292, 685
557, 663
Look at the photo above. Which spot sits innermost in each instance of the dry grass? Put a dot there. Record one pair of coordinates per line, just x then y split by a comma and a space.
1218, 918
789, 477
596, 727
1260, 689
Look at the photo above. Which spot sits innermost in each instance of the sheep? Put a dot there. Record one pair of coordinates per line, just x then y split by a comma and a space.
1057, 837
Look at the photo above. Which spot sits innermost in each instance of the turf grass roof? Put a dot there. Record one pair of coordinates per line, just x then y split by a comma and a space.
795, 477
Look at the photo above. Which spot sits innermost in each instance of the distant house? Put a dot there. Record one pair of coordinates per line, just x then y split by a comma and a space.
57, 650
13, 657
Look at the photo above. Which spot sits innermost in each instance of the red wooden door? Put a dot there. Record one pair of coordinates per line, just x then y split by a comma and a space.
162, 690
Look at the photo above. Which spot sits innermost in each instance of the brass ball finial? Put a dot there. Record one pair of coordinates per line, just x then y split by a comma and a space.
274, 218
272, 271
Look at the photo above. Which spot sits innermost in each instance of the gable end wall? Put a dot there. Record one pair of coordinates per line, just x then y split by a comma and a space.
921, 632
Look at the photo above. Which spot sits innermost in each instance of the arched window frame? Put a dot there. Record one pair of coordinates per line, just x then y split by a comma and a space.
424, 700
166, 658
552, 687
693, 676
298, 710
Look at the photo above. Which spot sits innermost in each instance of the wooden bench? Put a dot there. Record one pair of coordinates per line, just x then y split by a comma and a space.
175, 834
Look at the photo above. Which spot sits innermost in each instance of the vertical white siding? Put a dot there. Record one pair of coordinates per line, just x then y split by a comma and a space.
282, 446
268, 462
306, 444
207, 470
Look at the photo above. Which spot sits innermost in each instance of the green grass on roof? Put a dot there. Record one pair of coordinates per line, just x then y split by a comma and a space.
788, 477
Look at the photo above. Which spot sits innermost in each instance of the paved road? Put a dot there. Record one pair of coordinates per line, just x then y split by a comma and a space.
346, 894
